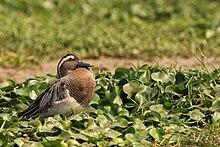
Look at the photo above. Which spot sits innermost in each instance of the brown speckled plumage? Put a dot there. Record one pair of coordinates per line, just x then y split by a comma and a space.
81, 84
70, 94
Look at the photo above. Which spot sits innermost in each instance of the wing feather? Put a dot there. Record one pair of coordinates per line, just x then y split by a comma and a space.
45, 99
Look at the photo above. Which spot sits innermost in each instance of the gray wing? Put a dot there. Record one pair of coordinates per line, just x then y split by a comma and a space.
55, 92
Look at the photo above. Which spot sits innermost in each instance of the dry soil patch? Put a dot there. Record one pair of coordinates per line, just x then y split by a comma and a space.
109, 64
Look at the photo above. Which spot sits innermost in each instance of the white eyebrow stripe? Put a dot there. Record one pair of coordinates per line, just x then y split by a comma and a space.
65, 59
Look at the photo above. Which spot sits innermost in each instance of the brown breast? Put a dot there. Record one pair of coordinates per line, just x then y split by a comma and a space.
81, 85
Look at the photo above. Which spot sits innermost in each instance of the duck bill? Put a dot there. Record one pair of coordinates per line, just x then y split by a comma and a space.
82, 64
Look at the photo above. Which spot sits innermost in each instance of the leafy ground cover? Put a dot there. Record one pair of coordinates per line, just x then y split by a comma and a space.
139, 106
32, 30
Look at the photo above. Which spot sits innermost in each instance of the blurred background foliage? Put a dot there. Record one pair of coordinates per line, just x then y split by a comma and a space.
32, 30
133, 107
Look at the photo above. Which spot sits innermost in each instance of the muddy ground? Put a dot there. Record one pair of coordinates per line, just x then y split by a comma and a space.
110, 64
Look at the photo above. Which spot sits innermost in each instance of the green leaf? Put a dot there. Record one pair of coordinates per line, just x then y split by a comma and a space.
145, 77
50, 124
55, 143
151, 115
140, 128
27, 91
168, 105
34, 144
119, 141
92, 125
94, 134
146, 95
102, 121
133, 138
163, 77
5, 116
65, 136
179, 110
196, 114
131, 88
159, 109
3, 139
78, 136
216, 116
120, 122
157, 134
73, 142
216, 105
19, 142
112, 133
120, 72
95, 99
172, 89
217, 92
53, 138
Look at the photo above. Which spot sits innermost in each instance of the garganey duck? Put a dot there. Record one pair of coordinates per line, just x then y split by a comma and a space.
69, 94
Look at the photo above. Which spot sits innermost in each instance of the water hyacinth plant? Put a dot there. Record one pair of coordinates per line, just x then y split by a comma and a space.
139, 106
